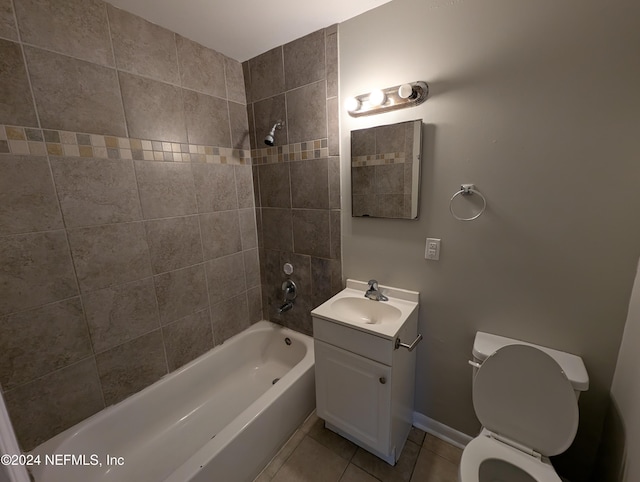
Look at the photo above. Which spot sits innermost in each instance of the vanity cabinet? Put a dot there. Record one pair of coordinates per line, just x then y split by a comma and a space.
365, 386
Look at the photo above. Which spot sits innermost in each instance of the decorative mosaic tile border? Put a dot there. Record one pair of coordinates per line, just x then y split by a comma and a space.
42, 142
300, 151
379, 159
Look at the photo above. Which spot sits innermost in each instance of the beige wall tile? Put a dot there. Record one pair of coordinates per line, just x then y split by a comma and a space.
266, 113
239, 126
235, 81
132, 366
55, 402
311, 232
229, 317
254, 299
275, 190
120, 313
109, 255
220, 234
181, 293
215, 187
244, 186
310, 184
304, 60
225, 278
75, 95
207, 119
187, 339
307, 112
77, 28
201, 68
252, 268
17, 104
8, 28
174, 243
166, 189
27, 197
267, 77
96, 191
36, 269
142, 47
154, 109
248, 228
39, 341
277, 230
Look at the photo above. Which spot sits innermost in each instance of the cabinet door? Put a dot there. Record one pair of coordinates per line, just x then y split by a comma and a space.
353, 393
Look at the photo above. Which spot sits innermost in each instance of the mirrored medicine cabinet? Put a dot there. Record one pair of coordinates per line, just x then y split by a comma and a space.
385, 170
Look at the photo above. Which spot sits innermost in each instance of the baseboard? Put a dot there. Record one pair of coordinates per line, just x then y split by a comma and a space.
440, 430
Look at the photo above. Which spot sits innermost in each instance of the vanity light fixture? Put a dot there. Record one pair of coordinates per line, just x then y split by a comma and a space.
391, 98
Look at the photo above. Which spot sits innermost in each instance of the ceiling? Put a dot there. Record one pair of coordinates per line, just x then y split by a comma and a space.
242, 29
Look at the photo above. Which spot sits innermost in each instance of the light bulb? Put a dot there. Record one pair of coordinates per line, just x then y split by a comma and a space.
377, 98
352, 104
405, 91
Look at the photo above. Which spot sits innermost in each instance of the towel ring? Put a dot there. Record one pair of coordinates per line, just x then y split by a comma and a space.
467, 190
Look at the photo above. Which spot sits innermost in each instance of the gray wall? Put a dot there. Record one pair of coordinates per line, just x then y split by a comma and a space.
621, 445
128, 240
537, 104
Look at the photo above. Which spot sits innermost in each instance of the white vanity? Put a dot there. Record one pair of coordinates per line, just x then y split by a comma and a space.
365, 366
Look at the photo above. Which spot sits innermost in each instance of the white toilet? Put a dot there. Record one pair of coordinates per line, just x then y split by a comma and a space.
526, 397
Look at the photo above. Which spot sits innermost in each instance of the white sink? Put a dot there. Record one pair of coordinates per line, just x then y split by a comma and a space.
384, 318
364, 310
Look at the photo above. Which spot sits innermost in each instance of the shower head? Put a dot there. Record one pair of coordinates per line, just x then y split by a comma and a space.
270, 138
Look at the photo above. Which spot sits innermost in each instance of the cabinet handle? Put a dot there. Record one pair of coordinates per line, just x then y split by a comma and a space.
383, 380
405, 345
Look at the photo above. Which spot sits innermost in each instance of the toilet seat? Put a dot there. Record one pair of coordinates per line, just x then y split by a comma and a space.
522, 394
529, 412
484, 447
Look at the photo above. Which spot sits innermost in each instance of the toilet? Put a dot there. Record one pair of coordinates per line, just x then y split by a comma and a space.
526, 398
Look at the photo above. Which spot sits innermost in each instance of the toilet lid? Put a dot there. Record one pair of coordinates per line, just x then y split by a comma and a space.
522, 394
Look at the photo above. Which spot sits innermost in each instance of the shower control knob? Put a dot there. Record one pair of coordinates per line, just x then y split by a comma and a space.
383, 380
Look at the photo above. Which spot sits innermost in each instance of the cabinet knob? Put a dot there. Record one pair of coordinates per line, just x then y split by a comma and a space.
383, 380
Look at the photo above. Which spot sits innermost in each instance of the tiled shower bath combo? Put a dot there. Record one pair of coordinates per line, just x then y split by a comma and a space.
142, 220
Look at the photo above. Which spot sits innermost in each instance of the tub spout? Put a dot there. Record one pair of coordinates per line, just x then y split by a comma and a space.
285, 307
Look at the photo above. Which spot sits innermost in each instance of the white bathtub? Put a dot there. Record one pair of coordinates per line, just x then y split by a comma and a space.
219, 418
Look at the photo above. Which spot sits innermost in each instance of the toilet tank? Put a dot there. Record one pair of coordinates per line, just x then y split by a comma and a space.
486, 344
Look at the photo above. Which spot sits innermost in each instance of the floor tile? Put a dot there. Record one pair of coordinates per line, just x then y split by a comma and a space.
416, 435
312, 462
442, 448
386, 473
430, 467
356, 474
334, 442
281, 457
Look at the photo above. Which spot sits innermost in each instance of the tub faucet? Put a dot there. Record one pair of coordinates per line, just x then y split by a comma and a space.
373, 293
290, 292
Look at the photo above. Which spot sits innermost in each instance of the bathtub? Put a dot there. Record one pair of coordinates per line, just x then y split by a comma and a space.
222, 417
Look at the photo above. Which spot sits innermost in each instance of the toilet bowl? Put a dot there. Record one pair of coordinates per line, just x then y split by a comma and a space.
525, 397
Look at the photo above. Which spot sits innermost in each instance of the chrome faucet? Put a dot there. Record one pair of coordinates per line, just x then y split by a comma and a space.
373, 293
290, 292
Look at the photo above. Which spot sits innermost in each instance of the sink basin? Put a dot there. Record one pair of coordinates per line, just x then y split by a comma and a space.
363, 310
383, 318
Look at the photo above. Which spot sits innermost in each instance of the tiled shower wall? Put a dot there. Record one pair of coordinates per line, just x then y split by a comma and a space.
297, 182
128, 238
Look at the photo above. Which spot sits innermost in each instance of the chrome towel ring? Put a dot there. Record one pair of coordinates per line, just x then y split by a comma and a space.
467, 190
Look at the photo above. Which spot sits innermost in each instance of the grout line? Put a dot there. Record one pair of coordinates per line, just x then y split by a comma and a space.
40, 377
115, 67
26, 65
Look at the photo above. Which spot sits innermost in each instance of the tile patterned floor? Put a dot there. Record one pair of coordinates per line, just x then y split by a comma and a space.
316, 454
